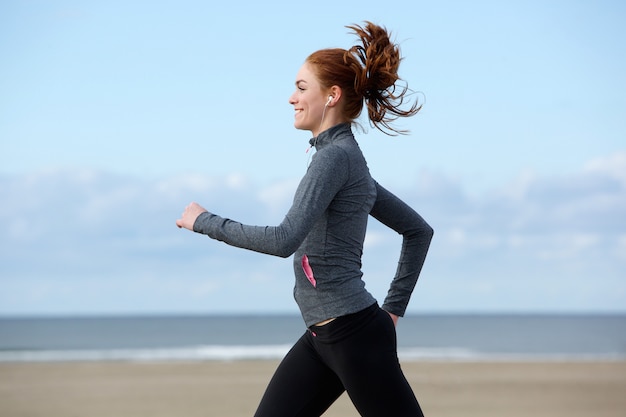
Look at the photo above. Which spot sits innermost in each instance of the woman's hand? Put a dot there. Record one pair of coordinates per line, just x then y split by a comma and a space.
189, 216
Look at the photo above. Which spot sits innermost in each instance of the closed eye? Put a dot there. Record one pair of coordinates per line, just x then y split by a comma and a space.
300, 85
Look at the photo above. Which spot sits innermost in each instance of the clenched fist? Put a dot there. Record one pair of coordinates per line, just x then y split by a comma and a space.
189, 216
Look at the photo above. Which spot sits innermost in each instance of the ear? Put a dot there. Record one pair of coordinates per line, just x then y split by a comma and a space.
336, 92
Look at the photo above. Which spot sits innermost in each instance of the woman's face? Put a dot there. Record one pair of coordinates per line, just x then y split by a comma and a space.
308, 101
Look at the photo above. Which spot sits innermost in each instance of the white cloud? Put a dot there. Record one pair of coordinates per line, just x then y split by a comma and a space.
277, 197
86, 241
620, 250
374, 239
613, 166
197, 183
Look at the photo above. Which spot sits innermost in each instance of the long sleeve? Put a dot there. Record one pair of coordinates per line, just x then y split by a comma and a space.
325, 176
416, 238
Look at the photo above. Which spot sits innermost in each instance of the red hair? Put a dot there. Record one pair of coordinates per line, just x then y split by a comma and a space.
366, 73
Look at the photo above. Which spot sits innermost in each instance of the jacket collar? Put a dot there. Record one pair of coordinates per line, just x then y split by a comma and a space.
329, 135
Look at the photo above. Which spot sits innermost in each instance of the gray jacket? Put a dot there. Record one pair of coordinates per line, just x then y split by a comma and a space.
325, 228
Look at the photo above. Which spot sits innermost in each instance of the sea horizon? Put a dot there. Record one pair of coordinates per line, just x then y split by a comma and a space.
268, 336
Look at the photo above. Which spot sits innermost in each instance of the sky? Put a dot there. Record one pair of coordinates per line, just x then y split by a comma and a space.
115, 115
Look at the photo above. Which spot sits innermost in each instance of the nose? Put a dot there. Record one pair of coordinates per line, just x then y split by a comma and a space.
292, 99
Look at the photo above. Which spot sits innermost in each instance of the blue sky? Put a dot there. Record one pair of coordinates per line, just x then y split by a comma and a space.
114, 115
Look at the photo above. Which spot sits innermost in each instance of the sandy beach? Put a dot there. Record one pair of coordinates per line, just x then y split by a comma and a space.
444, 389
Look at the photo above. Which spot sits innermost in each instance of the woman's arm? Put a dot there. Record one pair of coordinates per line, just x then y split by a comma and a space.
416, 238
326, 175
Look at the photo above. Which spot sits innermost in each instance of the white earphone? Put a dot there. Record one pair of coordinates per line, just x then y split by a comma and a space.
330, 99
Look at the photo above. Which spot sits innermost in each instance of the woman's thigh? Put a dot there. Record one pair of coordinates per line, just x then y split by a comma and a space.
302, 385
368, 366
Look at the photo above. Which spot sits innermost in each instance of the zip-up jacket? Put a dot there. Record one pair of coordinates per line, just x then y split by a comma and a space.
325, 229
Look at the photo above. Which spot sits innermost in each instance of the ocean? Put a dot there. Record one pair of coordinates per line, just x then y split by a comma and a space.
449, 337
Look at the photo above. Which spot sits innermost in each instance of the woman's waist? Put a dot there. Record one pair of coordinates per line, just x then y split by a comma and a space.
339, 327
324, 322
321, 309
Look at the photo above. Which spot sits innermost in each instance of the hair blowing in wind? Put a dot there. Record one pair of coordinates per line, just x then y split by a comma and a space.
368, 73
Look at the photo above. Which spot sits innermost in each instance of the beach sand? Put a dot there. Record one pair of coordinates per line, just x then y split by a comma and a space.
233, 389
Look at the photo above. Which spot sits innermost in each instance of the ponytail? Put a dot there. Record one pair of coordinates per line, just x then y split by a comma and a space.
367, 73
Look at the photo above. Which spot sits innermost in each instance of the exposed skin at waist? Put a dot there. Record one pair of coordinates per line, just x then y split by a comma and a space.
323, 323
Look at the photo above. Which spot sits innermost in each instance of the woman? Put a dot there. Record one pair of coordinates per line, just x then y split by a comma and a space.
350, 342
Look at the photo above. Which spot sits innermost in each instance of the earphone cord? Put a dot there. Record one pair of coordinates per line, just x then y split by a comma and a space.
308, 160
319, 129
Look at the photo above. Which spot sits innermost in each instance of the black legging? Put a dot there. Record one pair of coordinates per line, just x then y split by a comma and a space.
355, 353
